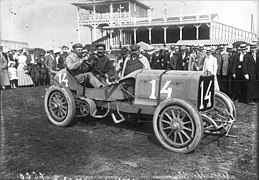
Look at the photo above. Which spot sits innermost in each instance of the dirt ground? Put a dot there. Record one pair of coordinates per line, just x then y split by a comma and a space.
32, 148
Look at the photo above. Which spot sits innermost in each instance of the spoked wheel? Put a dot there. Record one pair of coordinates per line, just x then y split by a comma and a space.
223, 114
178, 125
59, 105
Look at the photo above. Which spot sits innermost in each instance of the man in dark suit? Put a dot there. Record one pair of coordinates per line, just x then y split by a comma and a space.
249, 72
50, 64
257, 74
239, 83
33, 63
184, 56
175, 59
233, 53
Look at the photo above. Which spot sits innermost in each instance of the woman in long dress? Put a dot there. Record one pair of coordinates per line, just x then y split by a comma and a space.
24, 79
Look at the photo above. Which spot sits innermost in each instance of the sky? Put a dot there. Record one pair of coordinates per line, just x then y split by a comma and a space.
50, 24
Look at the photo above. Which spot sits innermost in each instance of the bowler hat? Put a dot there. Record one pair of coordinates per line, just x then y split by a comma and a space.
77, 45
134, 47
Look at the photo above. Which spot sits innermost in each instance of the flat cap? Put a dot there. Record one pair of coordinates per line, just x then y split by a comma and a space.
134, 47
77, 45
100, 45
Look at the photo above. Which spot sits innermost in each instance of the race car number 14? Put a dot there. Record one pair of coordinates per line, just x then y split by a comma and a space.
206, 94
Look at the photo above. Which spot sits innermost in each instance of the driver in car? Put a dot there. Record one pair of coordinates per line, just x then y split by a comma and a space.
75, 61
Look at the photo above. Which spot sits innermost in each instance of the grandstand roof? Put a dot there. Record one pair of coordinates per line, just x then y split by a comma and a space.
212, 42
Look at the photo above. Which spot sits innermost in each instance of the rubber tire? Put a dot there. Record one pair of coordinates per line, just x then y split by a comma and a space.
196, 118
233, 111
71, 105
230, 108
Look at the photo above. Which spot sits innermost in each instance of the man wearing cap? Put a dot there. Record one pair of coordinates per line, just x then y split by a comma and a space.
103, 66
50, 63
43, 70
157, 60
120, 61
232, 53
33, 63
224, 84
239, 84
135, 61
201, 55
175, 61
184, 55
75, 62
257, 71
249, 71
59, 62
192, 65
64, 52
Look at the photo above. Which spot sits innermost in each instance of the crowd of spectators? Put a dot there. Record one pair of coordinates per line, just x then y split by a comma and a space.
30, 67
236, 69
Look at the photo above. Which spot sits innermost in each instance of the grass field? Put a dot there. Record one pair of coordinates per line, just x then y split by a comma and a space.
90, 148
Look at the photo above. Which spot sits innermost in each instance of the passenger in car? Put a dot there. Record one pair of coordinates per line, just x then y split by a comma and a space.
102, 66
79, 69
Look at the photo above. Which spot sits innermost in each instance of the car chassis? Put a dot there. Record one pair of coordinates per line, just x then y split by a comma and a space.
182, 105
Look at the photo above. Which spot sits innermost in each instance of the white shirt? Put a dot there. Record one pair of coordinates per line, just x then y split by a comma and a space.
32, 59
254, 55
210, 64
241, 57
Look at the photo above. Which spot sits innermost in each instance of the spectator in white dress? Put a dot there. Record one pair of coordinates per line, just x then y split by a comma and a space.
24, 79
12, 72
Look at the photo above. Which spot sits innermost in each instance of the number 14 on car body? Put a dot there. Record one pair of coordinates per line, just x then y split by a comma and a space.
164, 90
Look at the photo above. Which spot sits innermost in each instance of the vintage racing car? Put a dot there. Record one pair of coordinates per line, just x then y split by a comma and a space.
182, 105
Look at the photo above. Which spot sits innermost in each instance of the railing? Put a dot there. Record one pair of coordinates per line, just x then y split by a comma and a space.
101, 16
124, 18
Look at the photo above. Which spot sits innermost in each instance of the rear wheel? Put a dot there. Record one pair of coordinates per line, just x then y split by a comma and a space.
59, 105
178, 125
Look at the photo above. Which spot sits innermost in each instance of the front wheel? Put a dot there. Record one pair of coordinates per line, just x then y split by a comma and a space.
59, 105
178, 125
223, 114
